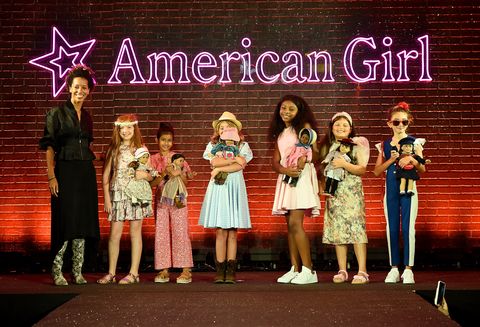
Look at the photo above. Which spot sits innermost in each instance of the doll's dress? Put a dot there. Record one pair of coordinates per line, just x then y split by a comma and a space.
174, 191
139, 190
305, 194
122, 207
335, 173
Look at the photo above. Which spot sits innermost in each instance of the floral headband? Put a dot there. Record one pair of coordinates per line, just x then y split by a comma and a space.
125, 123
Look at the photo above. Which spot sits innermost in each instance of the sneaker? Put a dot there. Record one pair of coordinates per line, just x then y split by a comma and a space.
307, 276
407, 276
287, 278
393, 276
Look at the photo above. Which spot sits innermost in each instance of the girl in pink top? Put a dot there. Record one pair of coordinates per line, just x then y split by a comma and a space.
173, 247
291, 115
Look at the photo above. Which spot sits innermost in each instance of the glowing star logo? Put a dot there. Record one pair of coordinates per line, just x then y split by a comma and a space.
62, 58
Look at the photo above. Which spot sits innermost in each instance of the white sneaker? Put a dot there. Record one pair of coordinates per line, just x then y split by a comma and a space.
287, 277
307, 276
407, 276
393, 276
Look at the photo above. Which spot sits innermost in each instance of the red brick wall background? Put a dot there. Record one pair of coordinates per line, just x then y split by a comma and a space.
446, 109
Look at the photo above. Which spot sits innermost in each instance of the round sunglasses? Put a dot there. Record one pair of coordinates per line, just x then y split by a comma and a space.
397, 122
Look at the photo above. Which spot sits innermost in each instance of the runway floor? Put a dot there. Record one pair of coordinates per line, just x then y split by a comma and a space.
255, 300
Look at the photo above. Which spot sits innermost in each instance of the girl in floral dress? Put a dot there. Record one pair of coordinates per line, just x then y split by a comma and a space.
125, 141
344, 219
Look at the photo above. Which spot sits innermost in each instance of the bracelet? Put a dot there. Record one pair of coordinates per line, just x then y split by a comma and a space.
51, 178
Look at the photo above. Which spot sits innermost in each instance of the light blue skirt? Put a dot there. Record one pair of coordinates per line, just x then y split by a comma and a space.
226, 206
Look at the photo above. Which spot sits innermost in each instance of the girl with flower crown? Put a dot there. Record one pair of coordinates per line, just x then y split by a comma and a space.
126, 139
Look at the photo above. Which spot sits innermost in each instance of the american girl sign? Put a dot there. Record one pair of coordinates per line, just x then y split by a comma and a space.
365, 59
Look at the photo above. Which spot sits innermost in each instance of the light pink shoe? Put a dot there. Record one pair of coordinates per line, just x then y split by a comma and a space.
341, 277
360, 278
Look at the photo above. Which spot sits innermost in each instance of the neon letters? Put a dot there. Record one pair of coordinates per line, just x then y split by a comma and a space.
291, 65
364, 60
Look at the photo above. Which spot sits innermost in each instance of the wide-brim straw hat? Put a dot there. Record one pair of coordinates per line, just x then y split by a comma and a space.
227, 116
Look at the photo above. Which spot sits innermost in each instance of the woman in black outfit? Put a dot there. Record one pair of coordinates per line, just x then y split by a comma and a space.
71, 175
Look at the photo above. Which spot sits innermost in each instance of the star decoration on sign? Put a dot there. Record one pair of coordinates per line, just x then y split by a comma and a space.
62, 58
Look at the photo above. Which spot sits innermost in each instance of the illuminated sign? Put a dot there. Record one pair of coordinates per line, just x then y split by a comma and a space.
62, 57
268, 67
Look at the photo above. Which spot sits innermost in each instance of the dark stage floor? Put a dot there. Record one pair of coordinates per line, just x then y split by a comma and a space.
256, 300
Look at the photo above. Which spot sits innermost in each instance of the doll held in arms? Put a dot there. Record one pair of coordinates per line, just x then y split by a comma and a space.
336, 175
174, 191
226, 148
408, 173
139, 190
300, 153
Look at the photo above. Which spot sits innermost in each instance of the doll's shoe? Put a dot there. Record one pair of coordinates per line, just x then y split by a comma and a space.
184, 278
360, 278
393, 276
341, 277
162, 277
129, 279
402, 192
410, 193
107, 279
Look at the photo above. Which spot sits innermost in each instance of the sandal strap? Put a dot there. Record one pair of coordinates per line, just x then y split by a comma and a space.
342, 274
361, 275
107, 279
131, 278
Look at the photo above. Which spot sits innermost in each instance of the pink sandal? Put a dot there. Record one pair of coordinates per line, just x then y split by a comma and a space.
360, 278
107, 279
129, 279
341, 277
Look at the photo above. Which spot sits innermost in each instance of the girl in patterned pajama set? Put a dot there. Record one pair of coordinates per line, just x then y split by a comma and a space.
173, 247
399, 208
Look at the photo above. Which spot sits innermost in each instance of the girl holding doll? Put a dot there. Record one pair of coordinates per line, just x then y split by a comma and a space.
173, 247
225, 206
126, 139
292, 114
400, 209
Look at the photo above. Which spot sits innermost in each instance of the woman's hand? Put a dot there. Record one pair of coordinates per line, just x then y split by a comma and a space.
53, 186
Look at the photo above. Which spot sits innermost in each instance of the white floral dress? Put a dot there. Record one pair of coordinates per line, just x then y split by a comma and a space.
122, 207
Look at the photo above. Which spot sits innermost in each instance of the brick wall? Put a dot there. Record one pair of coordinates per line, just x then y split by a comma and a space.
445, 109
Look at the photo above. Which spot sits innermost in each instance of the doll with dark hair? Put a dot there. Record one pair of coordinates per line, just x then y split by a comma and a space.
174, 191
333, 174
408, 173
301, 153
